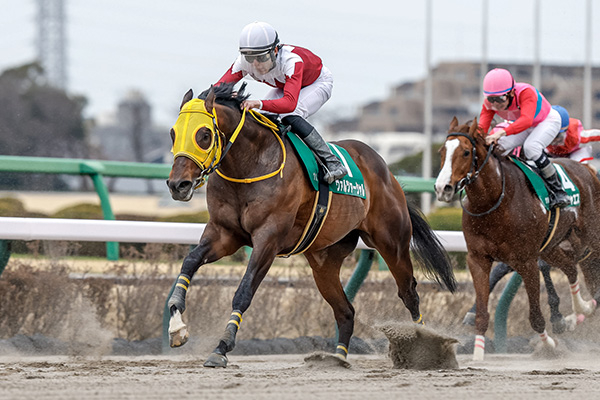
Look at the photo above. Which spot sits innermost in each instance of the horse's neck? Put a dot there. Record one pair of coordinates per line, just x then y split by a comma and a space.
253, 152
487, 188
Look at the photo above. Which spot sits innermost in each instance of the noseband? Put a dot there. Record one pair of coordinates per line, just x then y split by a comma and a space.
473, 174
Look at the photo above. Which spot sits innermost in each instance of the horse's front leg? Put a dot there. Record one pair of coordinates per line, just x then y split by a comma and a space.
531, 279
258, 266
479, 267
208, 250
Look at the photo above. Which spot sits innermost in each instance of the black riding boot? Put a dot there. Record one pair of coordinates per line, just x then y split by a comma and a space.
558, 197
334, 168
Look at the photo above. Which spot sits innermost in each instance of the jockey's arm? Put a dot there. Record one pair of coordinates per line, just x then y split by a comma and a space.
527, 103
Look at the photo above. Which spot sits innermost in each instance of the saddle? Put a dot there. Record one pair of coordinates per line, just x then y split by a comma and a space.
538, 185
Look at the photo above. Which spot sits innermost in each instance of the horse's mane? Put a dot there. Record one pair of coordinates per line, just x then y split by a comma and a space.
464, 128
226, 95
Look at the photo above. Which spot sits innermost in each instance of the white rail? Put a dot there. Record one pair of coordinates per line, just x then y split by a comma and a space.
92, 230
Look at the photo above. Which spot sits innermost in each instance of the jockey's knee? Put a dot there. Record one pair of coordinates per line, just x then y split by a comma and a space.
532, 153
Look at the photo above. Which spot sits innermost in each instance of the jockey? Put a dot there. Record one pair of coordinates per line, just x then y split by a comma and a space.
571, 139
301, 85
535, 125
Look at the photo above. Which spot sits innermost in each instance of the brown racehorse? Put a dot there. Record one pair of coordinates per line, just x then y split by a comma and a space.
270, 209
505, 221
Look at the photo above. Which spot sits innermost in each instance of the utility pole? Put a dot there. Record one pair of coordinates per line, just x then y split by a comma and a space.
587, 69
428, 110
51, 41
537, 69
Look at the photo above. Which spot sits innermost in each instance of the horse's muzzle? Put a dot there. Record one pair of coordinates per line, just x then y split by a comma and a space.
181, 190
445, 193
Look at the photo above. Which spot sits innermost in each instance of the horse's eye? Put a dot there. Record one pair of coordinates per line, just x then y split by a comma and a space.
466, 153
203, 137
172, 133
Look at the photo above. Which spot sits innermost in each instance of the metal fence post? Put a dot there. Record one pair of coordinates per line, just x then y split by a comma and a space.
4, 254
94, 169
508, 294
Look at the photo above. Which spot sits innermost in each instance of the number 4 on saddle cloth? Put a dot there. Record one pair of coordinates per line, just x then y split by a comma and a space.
540, 188
352, 184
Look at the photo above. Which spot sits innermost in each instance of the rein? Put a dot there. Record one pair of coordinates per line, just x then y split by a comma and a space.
473, 174
261, 119
214, 156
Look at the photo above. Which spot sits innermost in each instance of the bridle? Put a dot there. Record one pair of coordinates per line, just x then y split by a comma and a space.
193, 116
473, 174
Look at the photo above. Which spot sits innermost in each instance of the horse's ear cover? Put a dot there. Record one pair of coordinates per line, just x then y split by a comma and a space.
186, 97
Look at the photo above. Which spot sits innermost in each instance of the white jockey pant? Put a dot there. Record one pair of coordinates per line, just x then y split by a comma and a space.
534, 140
311, 97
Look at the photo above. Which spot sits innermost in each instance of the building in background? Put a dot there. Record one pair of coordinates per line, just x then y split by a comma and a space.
456, 92
130, 135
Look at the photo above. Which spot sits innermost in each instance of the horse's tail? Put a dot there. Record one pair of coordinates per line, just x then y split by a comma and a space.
429, 252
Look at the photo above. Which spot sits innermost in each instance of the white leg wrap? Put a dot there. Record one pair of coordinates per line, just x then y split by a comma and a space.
573, 320
580, 306
547, 340
479, 349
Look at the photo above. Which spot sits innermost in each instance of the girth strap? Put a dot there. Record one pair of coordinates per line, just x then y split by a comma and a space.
314, 225
553, 219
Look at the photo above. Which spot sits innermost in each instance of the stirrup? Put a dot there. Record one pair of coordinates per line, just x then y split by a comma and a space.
560, 203
332, 176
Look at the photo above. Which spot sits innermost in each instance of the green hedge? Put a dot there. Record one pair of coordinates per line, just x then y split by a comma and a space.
446, 219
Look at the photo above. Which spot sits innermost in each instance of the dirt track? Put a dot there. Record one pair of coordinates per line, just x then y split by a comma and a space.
291, 377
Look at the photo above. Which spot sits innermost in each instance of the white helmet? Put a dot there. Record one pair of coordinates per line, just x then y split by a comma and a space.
258, 38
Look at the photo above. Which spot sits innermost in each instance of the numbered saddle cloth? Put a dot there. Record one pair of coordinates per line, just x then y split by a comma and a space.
539, 186
352, 184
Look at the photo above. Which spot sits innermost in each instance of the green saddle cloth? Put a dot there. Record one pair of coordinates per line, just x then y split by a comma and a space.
540, 188
352, 184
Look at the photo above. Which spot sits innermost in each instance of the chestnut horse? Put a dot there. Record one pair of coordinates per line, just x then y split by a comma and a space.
505, 221
267, 206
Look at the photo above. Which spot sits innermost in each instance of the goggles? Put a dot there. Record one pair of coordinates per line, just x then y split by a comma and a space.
263, 57
497, 99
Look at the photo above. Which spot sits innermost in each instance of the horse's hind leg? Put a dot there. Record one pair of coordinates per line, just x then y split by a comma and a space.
397, 257
559, 325
326, 272
565, 262
590, 268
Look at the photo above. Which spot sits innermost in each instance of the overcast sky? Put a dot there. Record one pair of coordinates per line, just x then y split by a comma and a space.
163, 48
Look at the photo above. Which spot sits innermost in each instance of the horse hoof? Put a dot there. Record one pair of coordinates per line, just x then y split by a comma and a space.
469, 319
549, 343
559, 326
216, 361
572, 320
178, 333
178, 338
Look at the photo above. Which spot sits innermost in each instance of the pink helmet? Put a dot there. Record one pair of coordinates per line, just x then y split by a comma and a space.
498, 82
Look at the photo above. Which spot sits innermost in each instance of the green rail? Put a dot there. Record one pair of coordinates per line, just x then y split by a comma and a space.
96, 170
